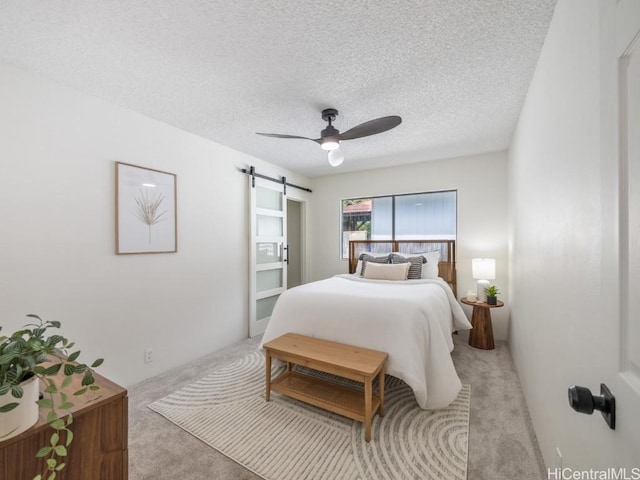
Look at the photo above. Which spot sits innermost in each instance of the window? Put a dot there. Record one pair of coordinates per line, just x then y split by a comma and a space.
414, 216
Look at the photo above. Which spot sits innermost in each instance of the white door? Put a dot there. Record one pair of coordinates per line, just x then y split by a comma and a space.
267, 256
626, 385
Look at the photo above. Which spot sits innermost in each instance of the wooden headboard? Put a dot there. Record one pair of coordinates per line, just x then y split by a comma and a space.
447, 248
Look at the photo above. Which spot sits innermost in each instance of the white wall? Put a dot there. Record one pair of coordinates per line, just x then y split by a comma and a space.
563, 236
481, 182
57, 154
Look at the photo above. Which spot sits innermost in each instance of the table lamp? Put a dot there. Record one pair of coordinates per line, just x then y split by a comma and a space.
483, 270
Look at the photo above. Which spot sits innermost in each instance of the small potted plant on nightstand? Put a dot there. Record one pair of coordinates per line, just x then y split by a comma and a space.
28, 357
492, 294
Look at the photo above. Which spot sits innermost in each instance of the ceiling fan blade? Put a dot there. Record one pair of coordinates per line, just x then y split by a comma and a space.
278, 135
372, 127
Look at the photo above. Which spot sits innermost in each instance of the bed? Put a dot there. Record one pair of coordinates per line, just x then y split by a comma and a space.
411, 320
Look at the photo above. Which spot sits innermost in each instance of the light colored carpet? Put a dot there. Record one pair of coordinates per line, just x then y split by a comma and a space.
288, 440
502, 444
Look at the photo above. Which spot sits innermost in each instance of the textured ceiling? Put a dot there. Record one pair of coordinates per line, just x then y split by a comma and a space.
456, 71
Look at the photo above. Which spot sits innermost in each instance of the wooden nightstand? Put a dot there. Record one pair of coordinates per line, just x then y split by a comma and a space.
481, 336
99, 450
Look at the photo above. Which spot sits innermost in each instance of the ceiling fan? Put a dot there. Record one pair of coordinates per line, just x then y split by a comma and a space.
331, 137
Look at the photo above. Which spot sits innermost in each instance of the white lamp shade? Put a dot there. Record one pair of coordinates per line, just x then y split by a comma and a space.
483, 268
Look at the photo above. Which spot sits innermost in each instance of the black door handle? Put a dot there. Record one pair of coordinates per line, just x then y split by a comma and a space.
582, 401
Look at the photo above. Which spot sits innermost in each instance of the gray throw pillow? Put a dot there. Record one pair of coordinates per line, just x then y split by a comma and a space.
370, 258
415, 269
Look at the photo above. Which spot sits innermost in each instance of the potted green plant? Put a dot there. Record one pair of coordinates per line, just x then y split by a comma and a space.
492, 294
29, 355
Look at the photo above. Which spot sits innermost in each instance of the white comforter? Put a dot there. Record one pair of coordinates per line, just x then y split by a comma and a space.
412, 321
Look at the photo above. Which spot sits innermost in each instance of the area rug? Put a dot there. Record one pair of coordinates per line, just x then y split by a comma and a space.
288, 440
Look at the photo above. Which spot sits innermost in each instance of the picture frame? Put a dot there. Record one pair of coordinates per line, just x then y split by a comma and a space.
146, 210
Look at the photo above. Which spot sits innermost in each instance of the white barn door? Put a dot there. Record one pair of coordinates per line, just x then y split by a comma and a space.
267, 256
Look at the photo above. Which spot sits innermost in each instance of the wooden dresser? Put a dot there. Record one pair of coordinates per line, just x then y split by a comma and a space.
99, 448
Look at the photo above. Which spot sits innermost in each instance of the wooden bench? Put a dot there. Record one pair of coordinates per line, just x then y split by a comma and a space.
347, 361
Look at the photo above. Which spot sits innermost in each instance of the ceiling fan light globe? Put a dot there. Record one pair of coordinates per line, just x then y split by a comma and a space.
335, 158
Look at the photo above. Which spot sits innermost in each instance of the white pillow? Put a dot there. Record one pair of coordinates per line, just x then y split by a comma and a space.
386, 271
430, 269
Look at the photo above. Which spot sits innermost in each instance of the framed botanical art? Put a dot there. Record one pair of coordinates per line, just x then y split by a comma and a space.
146, 215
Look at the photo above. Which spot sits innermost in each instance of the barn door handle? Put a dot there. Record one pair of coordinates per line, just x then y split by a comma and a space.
286, 250
582, 401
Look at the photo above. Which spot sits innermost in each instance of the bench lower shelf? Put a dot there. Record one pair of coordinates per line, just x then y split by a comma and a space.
322, 393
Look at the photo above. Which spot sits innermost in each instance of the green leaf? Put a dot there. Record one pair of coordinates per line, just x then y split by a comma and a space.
8, 407
7, 358
73, 356
51, 416
43, 452
55, 438
60, 467
61, 450
17, 391
65, 406
80, 368
15, 375
82, 391
53, 369
34, 344
57, 424
38, 477
66, 382
69, 438
51, 463
52, 476
69, 369
88, 378
17, 339
97, 363
54, 340
33, 315
51, 388
55, 324
93, 388
45, 403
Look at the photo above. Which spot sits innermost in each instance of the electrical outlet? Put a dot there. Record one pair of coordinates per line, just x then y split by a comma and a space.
558, 458
148, 356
